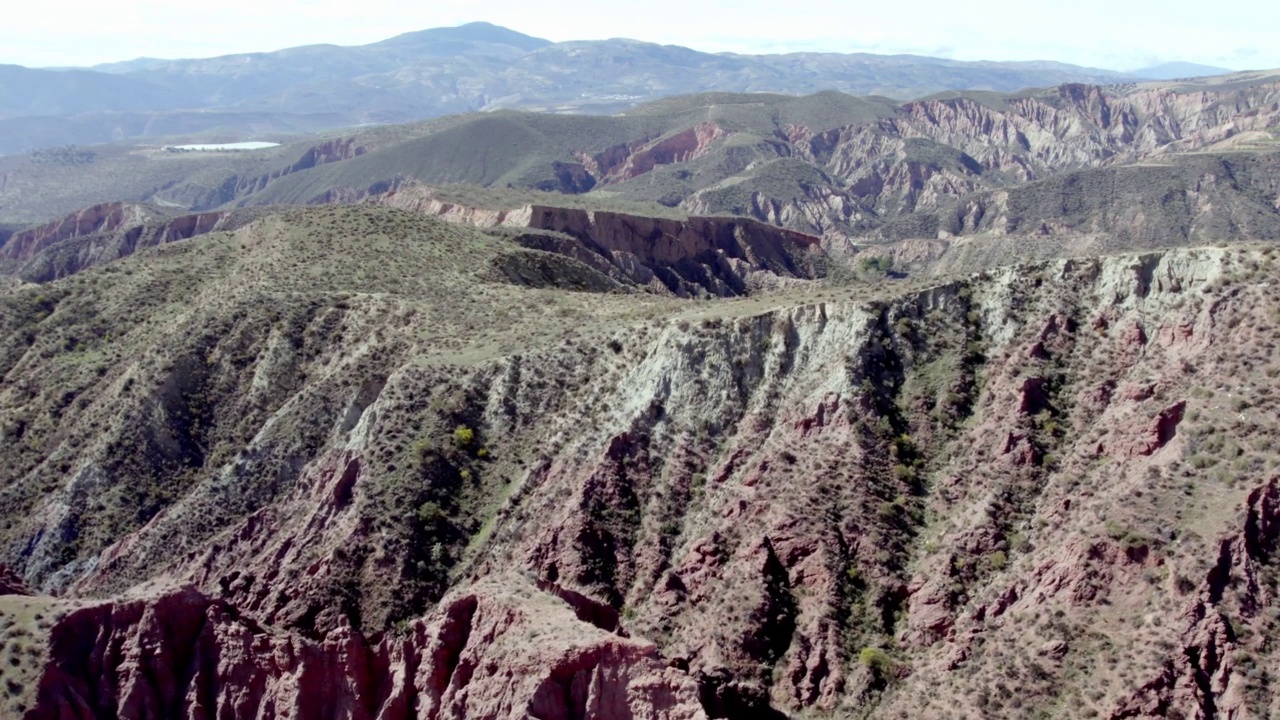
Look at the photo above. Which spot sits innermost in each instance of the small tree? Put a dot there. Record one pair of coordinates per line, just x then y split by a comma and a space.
875, 265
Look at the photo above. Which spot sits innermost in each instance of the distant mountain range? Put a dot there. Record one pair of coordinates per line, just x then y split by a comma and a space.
1178, 71
442, 71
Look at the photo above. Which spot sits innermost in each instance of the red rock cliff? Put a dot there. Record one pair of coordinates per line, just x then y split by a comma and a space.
184, 655
106, 217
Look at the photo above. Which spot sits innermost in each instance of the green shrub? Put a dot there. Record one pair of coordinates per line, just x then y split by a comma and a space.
875, 265
877, 661
430, 515
996, 561
1202, 462
464, 436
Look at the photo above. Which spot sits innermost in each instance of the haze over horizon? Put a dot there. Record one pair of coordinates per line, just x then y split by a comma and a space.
1091, 32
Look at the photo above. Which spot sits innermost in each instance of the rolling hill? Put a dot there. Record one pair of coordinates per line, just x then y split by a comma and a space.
1190, 157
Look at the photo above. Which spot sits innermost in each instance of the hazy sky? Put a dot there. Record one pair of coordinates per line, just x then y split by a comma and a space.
1102, 33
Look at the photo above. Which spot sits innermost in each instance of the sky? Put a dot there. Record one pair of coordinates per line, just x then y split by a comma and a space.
1100, 33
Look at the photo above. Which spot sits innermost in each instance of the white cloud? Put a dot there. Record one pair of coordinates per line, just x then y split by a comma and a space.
1090, 32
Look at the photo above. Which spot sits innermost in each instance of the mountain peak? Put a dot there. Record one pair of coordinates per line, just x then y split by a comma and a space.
473, 32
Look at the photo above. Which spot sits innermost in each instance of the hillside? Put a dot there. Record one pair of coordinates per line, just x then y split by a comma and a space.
28, 92
852, 169
737, 405
357, 458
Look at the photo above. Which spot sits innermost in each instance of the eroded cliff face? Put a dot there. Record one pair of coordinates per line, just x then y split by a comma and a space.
624, 162
1186, 200
11, 583
828, 212
181, 654
1086, 126
936, 151
104, 233
104, 218
236, 187
693, 257
721, 256
1046, 486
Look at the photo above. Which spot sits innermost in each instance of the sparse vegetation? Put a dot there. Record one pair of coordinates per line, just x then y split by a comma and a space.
463, 436
820, 480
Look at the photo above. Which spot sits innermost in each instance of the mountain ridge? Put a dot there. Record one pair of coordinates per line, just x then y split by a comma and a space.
826, 164
302, 480
1179, 70
441, 71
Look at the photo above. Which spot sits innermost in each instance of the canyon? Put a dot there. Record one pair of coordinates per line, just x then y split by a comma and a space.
731, 406
899, 499
720, 256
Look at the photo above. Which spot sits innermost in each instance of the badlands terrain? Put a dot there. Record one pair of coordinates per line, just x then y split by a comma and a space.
732, 406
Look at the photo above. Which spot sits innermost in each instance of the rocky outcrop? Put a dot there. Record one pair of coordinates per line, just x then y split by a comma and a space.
335, 150
691, 257
818, 208
719, 256
232, 190
1207, 679
104, 218
422, 199
624, 162
120, 234
1081, 125
571, 178
934, 152
11, 583
183, 655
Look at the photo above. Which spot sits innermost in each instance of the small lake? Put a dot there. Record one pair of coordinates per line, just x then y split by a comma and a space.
225, 146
